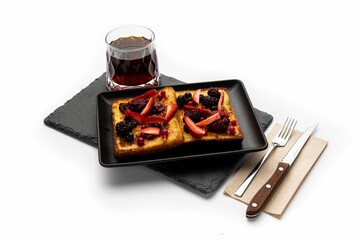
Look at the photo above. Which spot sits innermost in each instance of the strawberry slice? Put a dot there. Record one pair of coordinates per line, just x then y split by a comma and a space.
146, 95
196, 96
208, 120
170, 111
202, 110
221, 99
148, 107
138, 117
195, 131
151, 130
153, 119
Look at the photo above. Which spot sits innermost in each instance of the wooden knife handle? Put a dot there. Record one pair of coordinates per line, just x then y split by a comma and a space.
260, 199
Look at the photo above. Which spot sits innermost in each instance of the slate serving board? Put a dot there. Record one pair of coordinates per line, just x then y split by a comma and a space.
77, 118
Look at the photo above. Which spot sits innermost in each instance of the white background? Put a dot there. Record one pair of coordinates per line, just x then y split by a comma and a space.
296, 58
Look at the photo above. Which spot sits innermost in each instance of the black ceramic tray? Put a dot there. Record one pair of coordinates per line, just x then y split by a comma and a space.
254, 139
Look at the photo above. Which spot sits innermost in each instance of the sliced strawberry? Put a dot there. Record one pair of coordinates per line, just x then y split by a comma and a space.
203, 110
208, 120
196, 96
153, 119
170, 111
148, 107
221, 99
138, 117
146, 95
151, 130
195, 131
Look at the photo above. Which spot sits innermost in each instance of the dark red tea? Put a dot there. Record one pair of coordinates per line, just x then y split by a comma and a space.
132, 61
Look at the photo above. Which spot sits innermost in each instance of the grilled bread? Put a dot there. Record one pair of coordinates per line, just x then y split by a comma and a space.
207, 118
162, 119
146, 124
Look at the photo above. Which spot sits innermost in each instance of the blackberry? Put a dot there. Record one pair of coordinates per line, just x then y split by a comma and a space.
123, 107
131, 121
129, 137
201, 98
214, 92
214, 108
122, 128
220, 125
157, 108
138, 105
188, 95
194, 115
209, 101
181, 100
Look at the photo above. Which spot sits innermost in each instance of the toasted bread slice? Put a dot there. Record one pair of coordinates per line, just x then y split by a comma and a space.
170, 134
233, 131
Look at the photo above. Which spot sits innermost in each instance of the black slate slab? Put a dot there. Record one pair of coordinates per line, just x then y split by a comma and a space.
77, 118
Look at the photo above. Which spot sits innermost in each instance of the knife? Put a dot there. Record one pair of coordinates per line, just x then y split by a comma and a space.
260, 199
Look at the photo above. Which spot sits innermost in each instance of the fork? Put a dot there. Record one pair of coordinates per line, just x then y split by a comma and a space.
279, 140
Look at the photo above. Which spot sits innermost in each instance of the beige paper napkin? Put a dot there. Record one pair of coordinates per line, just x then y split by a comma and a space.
291, 182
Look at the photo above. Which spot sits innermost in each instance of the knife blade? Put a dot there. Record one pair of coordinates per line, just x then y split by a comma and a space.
260, 199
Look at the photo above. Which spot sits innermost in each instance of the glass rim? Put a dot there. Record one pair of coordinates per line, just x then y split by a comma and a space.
152, 40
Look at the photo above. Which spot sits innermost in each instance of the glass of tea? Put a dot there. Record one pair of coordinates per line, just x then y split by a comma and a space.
131, 60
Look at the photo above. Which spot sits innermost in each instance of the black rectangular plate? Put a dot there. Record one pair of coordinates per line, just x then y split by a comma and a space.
254, 138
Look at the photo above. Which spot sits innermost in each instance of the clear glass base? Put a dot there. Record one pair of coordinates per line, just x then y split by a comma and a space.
113, 86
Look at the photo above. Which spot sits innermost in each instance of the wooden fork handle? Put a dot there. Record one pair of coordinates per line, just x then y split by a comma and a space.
260, 199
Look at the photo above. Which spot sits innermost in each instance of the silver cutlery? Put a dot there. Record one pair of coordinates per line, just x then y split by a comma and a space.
260, 199
279, 140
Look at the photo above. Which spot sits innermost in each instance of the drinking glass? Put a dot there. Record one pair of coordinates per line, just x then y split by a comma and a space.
131, 60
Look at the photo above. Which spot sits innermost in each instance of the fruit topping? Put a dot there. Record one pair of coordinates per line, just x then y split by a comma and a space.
165, 133
223, 114
138, 117
138, 105
204, 111
232, 130
214, 92
233, 122
195, 131
151, 130
131, 121
196, 96
210, 103
194, 114
161, 95
181, 100
201, 98
188, 96
153, 119
140, 141
157, 108
170, 111
221, 99
208, 120
220, 125
145, 96
191, 103
123, 107
129, 137
122, 128
148, 107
